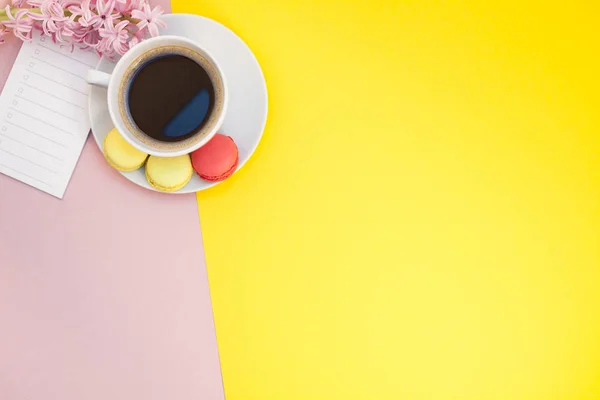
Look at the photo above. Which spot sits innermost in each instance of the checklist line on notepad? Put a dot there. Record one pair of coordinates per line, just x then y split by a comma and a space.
51, 95
46, 108
34, 133
28, 160
43, 114
61, 53
31, 147
24, 174
57, 82
37, 119
59, 68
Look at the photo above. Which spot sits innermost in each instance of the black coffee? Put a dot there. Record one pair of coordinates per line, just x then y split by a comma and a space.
170, 98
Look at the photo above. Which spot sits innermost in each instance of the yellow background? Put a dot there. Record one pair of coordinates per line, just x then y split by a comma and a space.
422, 218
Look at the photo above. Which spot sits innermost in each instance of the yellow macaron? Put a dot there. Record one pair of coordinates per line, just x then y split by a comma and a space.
169, 174
120, 154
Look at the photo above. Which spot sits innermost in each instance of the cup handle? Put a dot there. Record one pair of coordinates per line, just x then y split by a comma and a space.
98, 78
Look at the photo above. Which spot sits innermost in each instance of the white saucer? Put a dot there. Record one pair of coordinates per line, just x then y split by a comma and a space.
247, 112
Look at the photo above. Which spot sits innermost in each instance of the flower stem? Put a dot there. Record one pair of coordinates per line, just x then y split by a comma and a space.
13, 11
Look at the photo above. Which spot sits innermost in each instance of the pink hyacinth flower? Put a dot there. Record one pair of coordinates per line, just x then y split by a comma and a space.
114, 38
89, 39
3, 32
77, 9
73, 29
110, 27
149, 19
125, 7
85, 37
21, 23
53, 19
105, 13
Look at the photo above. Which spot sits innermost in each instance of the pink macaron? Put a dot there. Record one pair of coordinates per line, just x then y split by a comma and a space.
217, 160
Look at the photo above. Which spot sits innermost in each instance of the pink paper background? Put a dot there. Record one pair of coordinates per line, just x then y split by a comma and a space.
103, 295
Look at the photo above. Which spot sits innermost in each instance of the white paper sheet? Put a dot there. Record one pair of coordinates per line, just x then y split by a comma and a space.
43, 114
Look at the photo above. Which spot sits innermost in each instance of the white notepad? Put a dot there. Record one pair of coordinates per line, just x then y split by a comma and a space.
43, 114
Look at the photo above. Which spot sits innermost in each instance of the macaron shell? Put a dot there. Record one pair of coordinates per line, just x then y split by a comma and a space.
223, 176
121, 155
169, 174
217, 160
165, 188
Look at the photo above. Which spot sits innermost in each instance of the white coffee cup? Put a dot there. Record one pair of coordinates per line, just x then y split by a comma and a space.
118, 82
